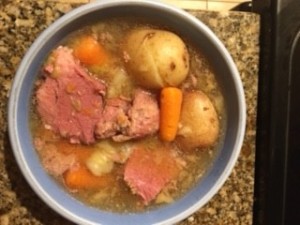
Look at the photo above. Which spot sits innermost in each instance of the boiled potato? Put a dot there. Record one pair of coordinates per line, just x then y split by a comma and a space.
199, 124
156, 58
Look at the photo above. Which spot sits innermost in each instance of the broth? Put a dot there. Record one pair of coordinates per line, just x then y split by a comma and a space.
115, 194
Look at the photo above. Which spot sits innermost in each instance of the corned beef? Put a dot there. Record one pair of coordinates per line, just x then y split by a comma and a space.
70, 101
55, 162
114, 118
139, 120
148, 171
144, 114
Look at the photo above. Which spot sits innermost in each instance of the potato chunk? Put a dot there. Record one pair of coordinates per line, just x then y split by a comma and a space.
199, 124
156, 58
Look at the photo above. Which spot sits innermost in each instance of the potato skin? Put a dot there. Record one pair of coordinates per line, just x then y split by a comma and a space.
199, 123
156, 58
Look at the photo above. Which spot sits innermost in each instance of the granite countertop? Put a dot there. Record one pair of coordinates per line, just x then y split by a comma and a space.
22, 21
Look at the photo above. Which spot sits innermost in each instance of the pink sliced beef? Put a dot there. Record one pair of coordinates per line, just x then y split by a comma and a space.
144, 114
55, 162
148, 171
122, 120
114, 118
70, 101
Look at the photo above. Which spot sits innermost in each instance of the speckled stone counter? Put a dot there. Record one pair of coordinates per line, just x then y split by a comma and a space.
22, 21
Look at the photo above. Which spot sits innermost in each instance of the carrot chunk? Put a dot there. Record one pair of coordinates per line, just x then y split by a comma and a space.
89, 51
81, 178
170, 107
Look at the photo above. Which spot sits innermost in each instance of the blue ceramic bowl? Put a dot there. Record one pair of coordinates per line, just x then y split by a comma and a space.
20, 98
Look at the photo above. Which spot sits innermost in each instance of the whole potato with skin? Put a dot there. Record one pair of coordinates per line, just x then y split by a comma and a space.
156, 58
199, 123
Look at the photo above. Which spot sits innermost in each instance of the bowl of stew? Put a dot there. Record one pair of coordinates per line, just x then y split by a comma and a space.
126, 111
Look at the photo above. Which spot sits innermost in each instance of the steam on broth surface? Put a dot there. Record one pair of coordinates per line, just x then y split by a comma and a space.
96, 118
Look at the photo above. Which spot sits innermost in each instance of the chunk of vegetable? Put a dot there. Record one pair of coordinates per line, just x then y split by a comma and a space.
199, 123
156, 58
121, 84
100, 163
81, 178
170, 107
89, 51
118, 152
